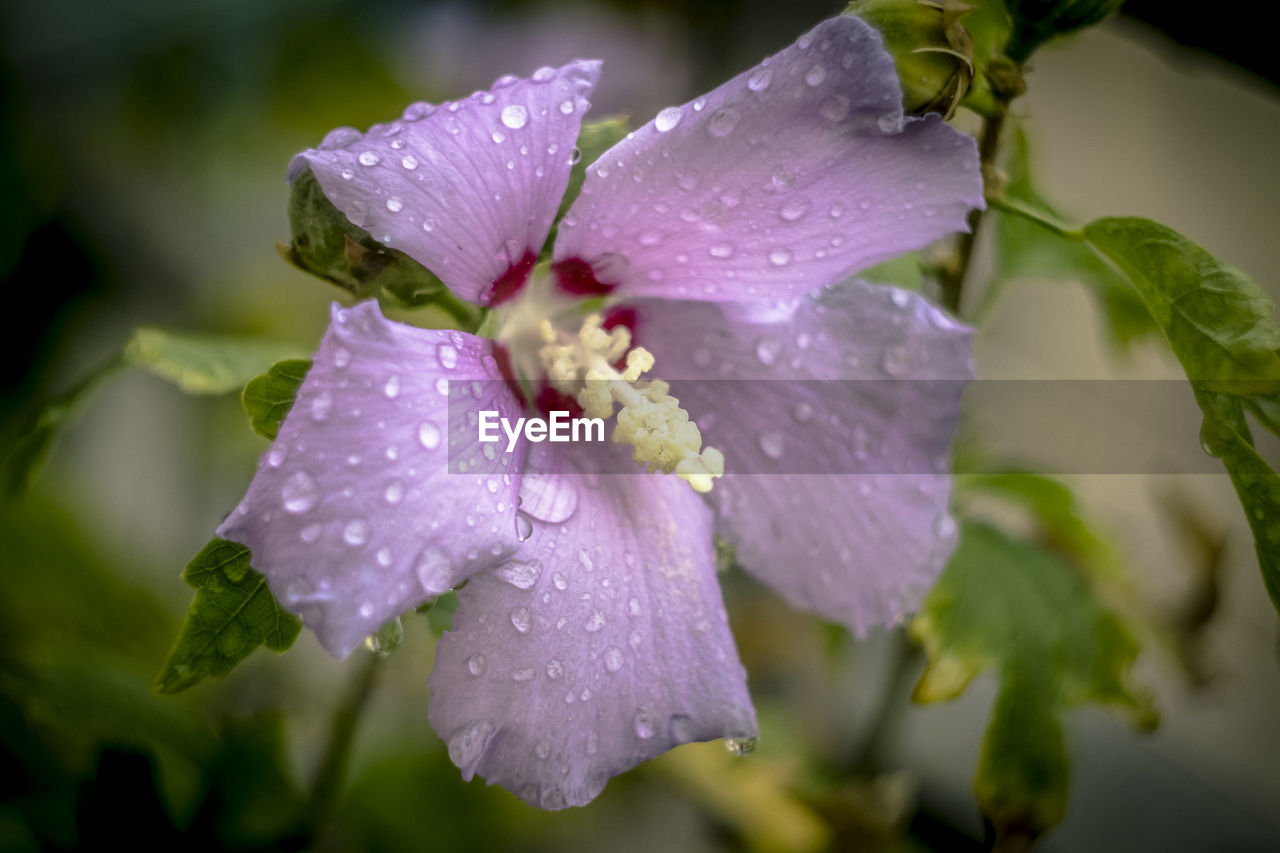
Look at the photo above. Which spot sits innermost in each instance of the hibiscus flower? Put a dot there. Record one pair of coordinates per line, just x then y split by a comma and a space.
712, 244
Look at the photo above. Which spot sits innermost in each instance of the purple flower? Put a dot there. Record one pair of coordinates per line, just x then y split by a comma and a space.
591, 634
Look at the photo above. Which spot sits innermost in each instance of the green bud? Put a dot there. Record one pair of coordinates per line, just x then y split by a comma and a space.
326, 244
1036, 21
930, 47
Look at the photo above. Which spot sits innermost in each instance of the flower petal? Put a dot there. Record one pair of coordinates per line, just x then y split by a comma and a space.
603, 645
787, 178
468, 189
354, 515
836, 491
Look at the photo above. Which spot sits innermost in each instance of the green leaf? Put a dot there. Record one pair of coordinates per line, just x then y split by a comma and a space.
1225, 434
1216, 318
36, 434
203, 364
1058, 514
268, 399
232, 614
594, 139
1028, 249
1010, 606
902, 271
327, 245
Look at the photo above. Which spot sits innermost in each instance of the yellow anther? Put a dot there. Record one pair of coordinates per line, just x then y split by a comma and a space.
650, 419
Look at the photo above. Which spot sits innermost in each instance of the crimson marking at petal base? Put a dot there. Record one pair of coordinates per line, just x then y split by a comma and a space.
513, 280
574, 275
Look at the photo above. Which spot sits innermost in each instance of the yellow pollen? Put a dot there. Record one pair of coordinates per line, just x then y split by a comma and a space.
650, 419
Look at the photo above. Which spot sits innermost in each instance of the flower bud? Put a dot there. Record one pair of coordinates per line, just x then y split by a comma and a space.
1036, 21
930, 47
326, 244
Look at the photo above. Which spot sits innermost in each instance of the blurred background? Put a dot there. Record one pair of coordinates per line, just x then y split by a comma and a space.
142, 155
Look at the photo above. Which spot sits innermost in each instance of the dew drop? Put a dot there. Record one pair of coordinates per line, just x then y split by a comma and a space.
780, 257
561, 583
566, 107
321, 406
900, 298
522, 675
643, 724
468, 744
794, 209
613, 659
721, 250
595, 621
520, 619
815, 75
498, 137
447, 355
740, 745
522, 574
394, 204
834, 108
771, 444
432, 569
476, 664
392, 388
384, 557
429, 435
356, 533
524, 526
722, 122
668, 119
802, 412
394, 492
409, 162
369, 158
760, 80
311, 533
300, 493
680, 727
515, 116
767, 350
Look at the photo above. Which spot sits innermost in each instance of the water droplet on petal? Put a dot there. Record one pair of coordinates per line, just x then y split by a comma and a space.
524, 526
321, 406
759, 80
794, 209
767, 350
476, 664
900, 297
740, 745
771, 444
643, 723
429, 435
392, 388
394, 492
680, 727
522, 675
369, 158
395, 205
520, 619
409, 162
447, 355
613, 659
432, 570
834, 108
384, 557
815, 75
595, 621
668, 119
547, 498
802, 412
468, 744
896, 361
311, 533
721, 250
515, 116
555, 669
722, 122
779, 257
522, 574
356, 533
300, 493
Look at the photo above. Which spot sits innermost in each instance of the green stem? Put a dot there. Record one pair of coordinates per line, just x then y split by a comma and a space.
1006, 204
337, 754
878, 736
1006, 83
